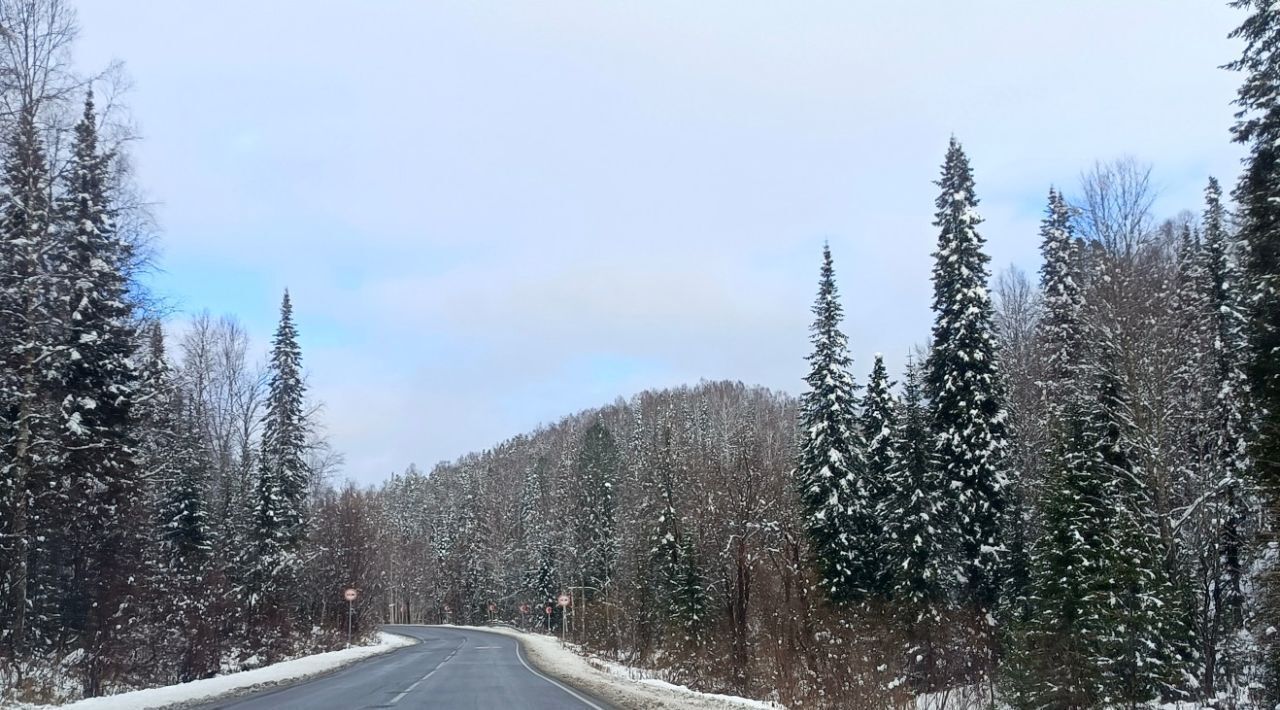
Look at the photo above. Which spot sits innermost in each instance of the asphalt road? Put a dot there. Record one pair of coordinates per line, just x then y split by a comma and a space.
451, 668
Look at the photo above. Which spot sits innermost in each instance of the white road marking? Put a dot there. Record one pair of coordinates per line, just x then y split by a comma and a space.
519, 657
411, 688
553, 681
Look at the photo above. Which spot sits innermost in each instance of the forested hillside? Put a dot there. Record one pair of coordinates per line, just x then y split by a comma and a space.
1054, 499
1066, 500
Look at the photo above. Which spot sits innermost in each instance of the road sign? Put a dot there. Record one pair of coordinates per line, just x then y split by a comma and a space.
492, 607
564, 600
524, 608
548, 610
350, 595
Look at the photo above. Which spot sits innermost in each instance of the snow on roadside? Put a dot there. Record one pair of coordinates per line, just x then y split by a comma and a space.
618, 685
640, 675
211, 688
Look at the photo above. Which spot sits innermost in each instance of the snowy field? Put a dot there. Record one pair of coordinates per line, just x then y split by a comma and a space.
234, 683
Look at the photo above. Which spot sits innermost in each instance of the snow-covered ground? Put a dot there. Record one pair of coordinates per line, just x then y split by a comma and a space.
619, 685
244, 681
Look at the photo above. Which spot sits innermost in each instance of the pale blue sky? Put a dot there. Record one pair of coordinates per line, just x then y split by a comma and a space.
492, 214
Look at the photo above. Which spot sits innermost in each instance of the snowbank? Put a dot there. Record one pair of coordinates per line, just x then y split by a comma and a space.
618, 685
210, 688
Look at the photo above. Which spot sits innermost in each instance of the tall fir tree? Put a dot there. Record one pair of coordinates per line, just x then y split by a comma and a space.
1055, 655
832, 462
1143, 640
175, 462
1103, 628
154, 411
1258, 197
964, 388
31, 516
913, 512
879, 422
284, 431
281, 489
1060, 329
1229, 510
916, 545
98, 384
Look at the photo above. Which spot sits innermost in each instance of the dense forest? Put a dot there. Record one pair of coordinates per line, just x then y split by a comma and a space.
1056, 500
158, 514
1066, 499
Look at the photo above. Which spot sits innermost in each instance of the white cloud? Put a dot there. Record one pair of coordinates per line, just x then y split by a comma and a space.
494, 213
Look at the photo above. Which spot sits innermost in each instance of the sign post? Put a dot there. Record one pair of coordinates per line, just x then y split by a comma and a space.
350, 595
564, 600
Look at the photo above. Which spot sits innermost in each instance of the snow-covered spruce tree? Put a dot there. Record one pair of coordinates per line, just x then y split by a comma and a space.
964, 388
154, 415
282, 485
154, 425
832, 461
673, 556
284, 430
1143, 639
598, 466
1060, 330
98, 384
32, 536
690, 605
184, 516
915, 544
879, 422
1054, 659
174, 464
1180, 447
1232, 489
912, 515
1258, 196
1104, 627
188, 548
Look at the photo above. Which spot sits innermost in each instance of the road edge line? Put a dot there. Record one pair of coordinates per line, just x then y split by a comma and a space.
549, 679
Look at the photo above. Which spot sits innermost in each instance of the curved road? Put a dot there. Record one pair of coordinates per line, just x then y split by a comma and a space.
450, 668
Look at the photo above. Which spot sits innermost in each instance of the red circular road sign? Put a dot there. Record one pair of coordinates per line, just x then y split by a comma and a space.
564, 600
524, 608
548, 611
493, 607
350, 595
